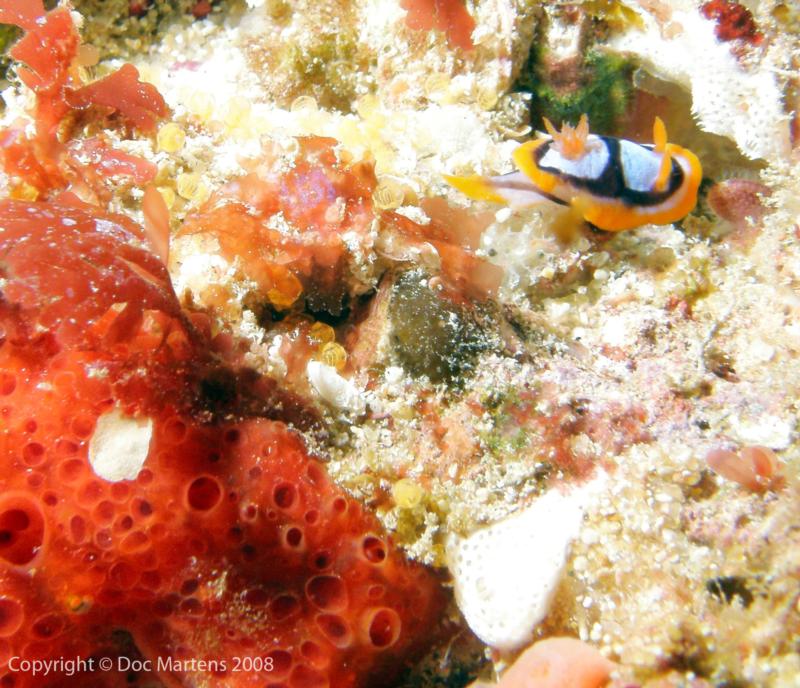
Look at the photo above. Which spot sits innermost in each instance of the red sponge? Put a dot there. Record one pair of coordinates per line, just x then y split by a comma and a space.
228, 556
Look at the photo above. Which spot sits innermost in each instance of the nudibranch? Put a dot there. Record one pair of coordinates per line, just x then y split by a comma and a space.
614, 184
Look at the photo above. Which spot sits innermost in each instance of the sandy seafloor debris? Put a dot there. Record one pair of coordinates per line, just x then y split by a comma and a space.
628, 356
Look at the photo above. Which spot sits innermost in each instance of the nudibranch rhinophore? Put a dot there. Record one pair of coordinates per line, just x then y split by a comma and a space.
612, 183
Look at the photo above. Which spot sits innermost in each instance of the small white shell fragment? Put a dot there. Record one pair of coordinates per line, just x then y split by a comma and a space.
393, 374
414, 213
119, 445
194, 271
505, 574
619, 331
766, 430
339, 392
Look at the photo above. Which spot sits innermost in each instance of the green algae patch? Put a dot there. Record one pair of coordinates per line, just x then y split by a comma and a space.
431, 335
600, 86
8, 36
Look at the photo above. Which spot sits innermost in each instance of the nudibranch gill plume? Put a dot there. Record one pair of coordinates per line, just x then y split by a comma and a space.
611, 183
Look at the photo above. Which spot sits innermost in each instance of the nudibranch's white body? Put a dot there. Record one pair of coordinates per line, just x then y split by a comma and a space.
612, 183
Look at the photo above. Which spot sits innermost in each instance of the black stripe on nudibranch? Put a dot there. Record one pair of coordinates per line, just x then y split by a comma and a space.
611, 183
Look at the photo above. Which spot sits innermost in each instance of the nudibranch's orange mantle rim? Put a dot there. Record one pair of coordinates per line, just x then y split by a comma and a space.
612, 183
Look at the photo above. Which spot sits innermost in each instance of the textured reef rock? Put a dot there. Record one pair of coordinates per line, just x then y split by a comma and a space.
461, 371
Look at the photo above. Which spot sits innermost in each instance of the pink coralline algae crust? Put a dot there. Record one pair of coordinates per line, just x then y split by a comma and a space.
754, 468
231, 542
558, 662
612, 426
739, 200
734, 21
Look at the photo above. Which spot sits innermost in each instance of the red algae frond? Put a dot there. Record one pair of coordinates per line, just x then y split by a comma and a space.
122, 92
320, 199
52, 55
22, 13
734, 21
156, 222
449, 16
455, 234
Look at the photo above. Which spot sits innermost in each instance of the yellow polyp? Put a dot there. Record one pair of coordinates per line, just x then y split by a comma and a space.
88, 55
438, 87
80, 74
313, 121
303, 104
24, 192
384, 157
285, 290
280, 300
406, 493
367, 105
350, 134
376, 124
201, 106
486, 98
147, 74
187, 185
77, 604
170, 138
436, 84
201, 194
388, 194
168, 195
238, 112
278, 10
261, 125
334, 355
322, 333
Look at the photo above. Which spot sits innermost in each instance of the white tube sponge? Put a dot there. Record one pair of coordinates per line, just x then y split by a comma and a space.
743, 103
505, 574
